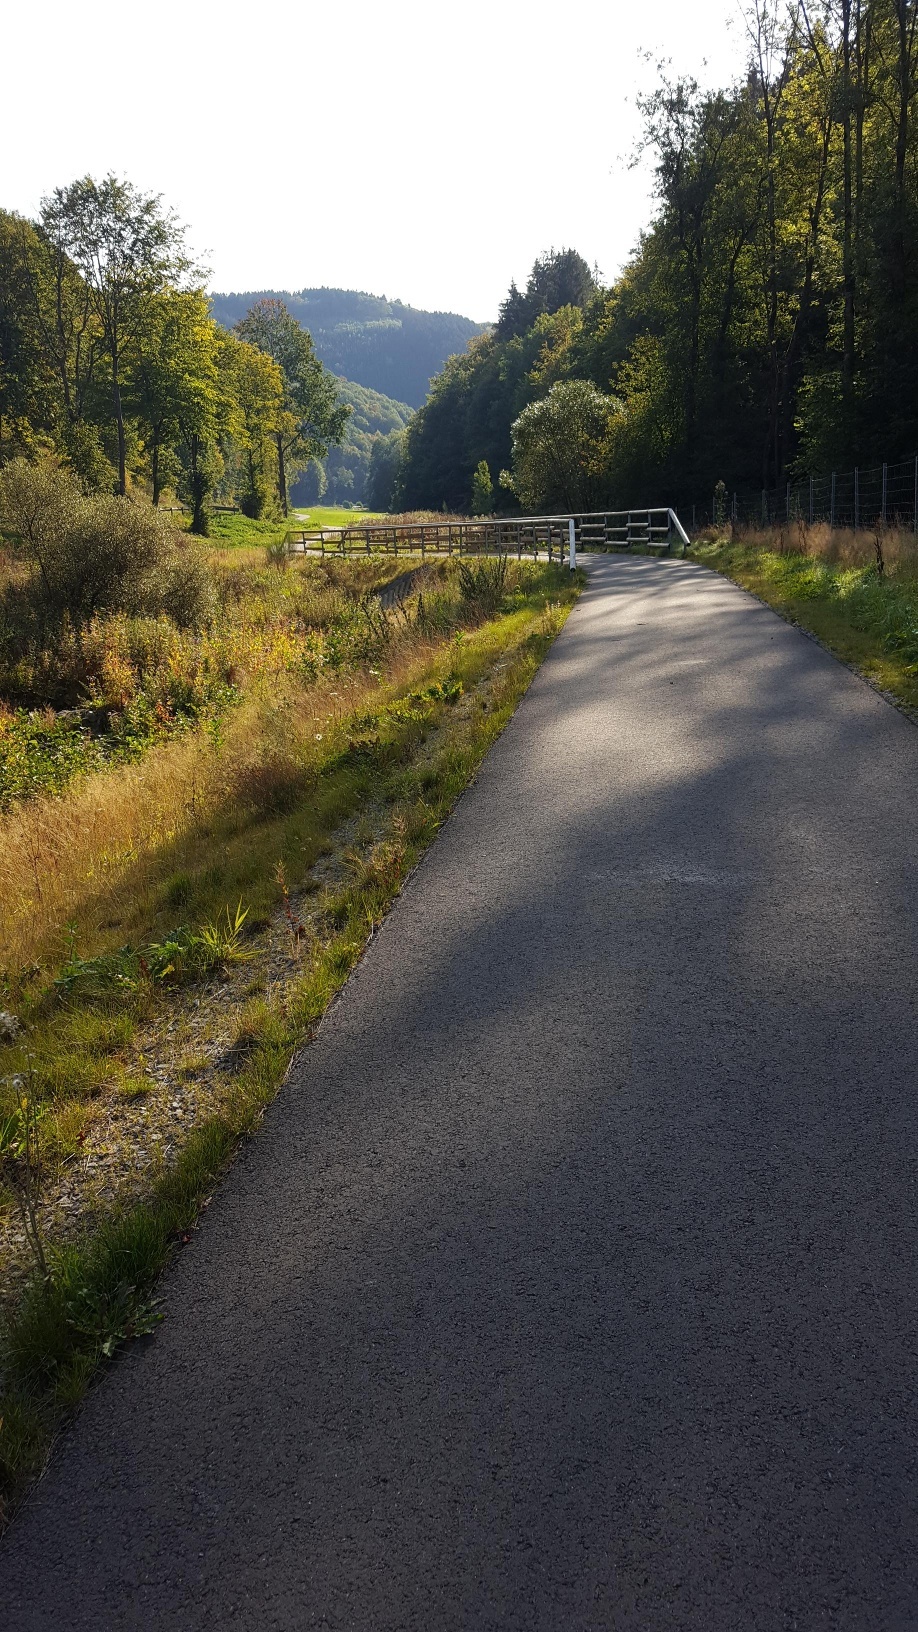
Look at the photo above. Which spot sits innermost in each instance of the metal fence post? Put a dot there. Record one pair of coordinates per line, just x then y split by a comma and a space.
572, 541
883, 498
832, 501
857, 499
787, 502
811, 501
764, 507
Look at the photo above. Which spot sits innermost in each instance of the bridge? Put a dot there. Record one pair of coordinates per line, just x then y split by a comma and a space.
656, 528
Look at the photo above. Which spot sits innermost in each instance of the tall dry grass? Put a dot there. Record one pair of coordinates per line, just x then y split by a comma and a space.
95, 856
836, 546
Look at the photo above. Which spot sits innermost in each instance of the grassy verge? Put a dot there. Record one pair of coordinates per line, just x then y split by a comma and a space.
235, 530
860, 604
387, 765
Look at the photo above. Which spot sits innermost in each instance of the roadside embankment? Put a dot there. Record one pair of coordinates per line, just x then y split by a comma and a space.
856, 592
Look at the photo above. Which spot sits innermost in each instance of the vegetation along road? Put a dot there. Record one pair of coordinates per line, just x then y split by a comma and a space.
572, 1281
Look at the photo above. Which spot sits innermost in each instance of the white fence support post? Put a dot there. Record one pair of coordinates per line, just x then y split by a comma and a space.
674, 522
572, 539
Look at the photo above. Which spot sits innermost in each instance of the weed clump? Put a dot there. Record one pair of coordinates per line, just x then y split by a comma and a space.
482, 585
182, 955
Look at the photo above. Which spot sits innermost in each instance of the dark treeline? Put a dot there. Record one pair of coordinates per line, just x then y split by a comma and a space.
767, 324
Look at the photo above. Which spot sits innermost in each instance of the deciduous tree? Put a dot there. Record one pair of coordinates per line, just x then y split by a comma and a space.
312, 416
128, 250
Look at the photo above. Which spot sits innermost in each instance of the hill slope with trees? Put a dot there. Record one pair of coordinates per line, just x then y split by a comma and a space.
342, 476
382, 344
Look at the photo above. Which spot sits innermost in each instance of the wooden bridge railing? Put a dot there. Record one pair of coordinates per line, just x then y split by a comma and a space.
514, 535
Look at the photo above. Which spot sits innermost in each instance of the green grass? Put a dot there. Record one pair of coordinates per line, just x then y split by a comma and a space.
867, 619
319, 515
402, 760
233, 531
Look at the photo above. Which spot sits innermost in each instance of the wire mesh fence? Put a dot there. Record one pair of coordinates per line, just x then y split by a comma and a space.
879, 495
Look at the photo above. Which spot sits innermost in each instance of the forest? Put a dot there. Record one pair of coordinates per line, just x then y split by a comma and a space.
383, 344
112, 364
342, 477
766, 326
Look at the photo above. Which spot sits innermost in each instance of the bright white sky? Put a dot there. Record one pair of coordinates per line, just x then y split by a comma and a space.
410, 149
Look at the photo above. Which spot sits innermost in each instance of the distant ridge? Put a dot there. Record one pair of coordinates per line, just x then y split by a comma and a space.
380, 343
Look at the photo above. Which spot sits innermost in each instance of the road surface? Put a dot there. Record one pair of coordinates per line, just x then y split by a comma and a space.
571, 1282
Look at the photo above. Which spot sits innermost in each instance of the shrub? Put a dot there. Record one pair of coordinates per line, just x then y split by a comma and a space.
92, 553
482, 585
41, 754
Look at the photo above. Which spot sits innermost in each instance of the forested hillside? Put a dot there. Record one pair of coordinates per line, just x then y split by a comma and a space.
379, 343
341, 478
767, 325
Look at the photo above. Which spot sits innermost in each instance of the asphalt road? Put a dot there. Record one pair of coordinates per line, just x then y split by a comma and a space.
571, 1283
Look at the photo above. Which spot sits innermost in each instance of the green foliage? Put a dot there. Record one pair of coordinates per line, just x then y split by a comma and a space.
385, 471
173, 384
482, 584
310, 415
182, 955
40, 754
474, 403
93, 553
127, 252
563, 449
352, 472
558, 278
382, 344
482, 490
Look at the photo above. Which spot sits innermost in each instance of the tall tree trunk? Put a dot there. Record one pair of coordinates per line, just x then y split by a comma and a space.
848, 281
119, 422
281, 473
199, 518
862, 43
691, 383
905, 30
903, 87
